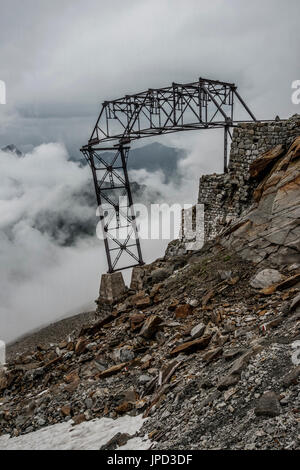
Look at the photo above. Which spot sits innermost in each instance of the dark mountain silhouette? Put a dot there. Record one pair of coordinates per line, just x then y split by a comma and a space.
11, 148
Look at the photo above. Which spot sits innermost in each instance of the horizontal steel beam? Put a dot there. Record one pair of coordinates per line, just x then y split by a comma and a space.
205, 104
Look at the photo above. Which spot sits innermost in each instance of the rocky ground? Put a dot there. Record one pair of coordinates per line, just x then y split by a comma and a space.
52, 333
207, 348
202, 353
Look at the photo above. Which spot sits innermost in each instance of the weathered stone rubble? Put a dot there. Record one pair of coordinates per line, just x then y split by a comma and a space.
205, 345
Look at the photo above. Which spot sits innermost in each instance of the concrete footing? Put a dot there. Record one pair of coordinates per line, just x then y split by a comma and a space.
112, 288
2, 353
137, 278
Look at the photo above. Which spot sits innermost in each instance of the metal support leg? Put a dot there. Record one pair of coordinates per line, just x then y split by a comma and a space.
226, 130
130, 206
120, 234
99, 203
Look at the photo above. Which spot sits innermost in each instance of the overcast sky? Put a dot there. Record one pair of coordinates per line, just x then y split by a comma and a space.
61, 58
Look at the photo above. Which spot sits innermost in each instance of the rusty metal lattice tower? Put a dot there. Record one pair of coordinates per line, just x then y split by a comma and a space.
205, 104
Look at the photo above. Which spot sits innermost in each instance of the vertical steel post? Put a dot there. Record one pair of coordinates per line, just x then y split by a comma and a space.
226, 129
130, 205
98, 196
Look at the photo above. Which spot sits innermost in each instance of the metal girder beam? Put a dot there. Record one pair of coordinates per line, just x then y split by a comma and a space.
205, 104
162, 110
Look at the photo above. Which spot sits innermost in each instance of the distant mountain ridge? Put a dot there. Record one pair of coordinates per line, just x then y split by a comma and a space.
66, 226
155, 157
11, 148
151, 157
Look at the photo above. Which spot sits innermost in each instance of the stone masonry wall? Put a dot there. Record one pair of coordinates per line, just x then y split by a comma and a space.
225, 196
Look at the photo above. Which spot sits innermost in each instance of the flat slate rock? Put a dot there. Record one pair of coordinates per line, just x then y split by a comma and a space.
268, 405
192, 346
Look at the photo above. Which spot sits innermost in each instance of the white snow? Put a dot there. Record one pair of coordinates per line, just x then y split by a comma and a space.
89, 435
136, 443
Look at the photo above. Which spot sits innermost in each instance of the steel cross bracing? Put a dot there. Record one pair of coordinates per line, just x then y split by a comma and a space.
204, 104
113, 193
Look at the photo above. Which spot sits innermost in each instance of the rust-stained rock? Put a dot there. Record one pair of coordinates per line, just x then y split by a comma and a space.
183, 311
112, 370
53, 362
289, 282
136, 320
268, 290
70, 346
191, 346
141, 300
92, 330
78, 419
155, 289
81, 345
210, 294
124, 407
150, 326
66, 410
72, 377
167, 372
267, 159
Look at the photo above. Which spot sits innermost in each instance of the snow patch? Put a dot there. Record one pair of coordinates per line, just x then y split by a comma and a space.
89, 435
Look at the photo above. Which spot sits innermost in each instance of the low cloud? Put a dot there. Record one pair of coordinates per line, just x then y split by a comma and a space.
50, 264
42, 277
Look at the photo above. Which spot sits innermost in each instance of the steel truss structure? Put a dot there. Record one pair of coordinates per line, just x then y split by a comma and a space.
205, 104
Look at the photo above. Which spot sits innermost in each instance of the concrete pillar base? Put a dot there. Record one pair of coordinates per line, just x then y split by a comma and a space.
137, 278
112, 288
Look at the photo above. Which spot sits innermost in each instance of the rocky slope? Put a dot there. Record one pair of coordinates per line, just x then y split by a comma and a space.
269, 231
207, 347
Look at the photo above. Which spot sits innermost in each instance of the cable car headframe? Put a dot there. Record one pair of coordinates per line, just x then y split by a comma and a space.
205, 104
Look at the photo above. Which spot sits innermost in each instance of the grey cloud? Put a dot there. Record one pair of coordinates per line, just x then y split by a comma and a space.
60, 59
